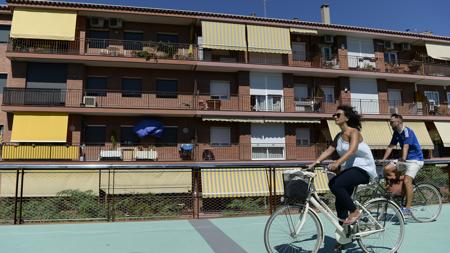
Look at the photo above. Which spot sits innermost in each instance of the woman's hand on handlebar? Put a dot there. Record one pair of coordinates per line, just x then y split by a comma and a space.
333, 166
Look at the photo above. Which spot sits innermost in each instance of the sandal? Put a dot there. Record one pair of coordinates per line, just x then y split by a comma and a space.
351, 220
338, 247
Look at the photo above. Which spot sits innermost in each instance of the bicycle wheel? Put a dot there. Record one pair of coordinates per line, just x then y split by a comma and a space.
389, 222
426, 204
280, 235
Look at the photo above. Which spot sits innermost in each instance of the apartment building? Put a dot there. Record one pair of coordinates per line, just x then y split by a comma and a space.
78, 78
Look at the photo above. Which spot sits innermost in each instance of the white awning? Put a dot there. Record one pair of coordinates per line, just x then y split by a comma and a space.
304, 31
438, 51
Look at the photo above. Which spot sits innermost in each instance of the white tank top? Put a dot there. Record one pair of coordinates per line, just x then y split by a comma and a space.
362, 158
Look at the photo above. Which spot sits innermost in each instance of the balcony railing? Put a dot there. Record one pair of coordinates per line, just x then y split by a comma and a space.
178, 51
208, 102
39, 152
162, 152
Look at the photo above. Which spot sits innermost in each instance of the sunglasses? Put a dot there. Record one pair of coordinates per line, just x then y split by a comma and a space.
337, 115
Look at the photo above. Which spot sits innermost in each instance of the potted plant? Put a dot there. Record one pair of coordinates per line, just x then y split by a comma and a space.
113, 139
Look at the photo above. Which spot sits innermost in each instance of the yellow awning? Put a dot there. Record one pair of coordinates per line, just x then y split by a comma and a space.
377, 134
422, 134
43, 24
260, 120
304, 31
267, 39
444, 131
225, 36
287, 120
38, 152
49, 183
229, 183
148, 181
438, 51
334, 129
39, 127
236, 119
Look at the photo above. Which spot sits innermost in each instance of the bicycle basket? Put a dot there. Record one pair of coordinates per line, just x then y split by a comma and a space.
296, 190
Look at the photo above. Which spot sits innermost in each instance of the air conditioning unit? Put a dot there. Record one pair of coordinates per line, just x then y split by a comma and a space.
388, 45
96, 22
328, 39
406, 46
89, 101
115, 23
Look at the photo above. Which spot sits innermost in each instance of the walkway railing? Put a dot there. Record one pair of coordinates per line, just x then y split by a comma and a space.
113, 192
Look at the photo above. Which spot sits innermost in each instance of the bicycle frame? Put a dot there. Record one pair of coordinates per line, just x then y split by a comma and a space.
329, 215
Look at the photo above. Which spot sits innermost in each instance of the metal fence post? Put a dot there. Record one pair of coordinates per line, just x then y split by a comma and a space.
16, 196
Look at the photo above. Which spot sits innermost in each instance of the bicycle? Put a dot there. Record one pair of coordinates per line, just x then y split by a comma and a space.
297, 227
426, 203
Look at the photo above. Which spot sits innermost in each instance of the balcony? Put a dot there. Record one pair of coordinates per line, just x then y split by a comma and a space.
154, 51
200, 152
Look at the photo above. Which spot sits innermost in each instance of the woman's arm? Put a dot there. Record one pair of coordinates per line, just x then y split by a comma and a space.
328, 152
354, 142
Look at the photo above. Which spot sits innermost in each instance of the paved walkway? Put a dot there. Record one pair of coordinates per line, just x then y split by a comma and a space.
225, 235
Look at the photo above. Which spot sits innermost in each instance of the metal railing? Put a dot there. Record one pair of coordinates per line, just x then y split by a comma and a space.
150, 50
108, 192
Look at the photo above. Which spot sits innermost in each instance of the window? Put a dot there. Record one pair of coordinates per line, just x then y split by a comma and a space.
96, 86
98, 39
95, 135
220, 89
328, 92
448, 99
128, 136
167, 37
302, 136
169, 137
390, 57
133, 40
432, 96
4, 33
166, 88
326, 53
220, 136
271, 103
131, 87
298, 51
3, 78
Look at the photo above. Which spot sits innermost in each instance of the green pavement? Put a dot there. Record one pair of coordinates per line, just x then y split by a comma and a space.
198, 236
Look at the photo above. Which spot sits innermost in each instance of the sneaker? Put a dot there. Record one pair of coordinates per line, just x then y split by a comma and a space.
406, 212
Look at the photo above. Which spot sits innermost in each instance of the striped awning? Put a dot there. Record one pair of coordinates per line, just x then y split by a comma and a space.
265, 39
225, 36
377, 134
304, 31
444, 132
43, 24
261, 120
288, 120
422, 134
234, 119
250, 182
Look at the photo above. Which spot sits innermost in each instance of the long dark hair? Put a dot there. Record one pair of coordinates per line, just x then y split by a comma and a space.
354, 119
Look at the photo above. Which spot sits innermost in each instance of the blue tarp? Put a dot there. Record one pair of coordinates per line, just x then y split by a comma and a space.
149, 127
186, 147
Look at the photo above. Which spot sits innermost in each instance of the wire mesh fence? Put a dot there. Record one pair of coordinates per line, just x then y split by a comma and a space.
30, 196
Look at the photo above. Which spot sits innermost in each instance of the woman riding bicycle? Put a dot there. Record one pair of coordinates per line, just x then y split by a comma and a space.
356, 161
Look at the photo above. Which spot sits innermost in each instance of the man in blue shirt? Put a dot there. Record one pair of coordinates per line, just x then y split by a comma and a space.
411, 160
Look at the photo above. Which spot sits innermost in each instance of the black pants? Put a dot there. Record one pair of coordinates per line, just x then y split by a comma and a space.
343, 185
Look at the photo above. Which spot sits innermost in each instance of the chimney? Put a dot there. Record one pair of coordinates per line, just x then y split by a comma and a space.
325, 11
